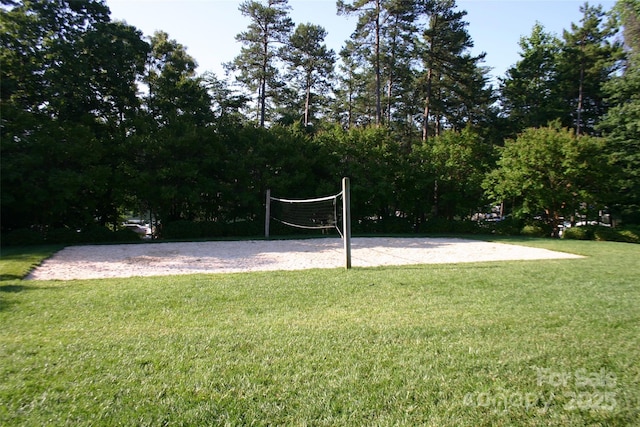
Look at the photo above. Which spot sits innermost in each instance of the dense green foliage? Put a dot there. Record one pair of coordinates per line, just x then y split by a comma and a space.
528, 343
597, 232
413, 121
551, 172
622, 121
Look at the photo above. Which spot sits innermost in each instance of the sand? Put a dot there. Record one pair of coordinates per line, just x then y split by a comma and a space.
159, 259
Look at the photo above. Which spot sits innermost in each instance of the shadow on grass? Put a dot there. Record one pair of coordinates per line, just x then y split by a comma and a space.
12, 288
4, 303
7, 300
7, 277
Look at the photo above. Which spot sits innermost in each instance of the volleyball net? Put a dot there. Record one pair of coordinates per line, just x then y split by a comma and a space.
321, 213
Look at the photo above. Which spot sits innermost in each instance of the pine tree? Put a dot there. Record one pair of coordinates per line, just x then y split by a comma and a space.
529, 92
353, 105
588, 59
256, 65
397, 57
367, 38
621, 124
310, 64
446, 64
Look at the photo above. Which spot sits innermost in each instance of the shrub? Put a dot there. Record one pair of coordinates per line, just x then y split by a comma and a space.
245, 228
577, 233
438, 226
506, 227
181, 230
467, 227
68, 236
125, 235
534, 230
630, 235
22, 237
212, 229
91, 234
64, 236
602, 233
626, 234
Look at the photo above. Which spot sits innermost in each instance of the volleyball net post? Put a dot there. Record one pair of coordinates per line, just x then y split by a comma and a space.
267, 216
346, 221
321, 213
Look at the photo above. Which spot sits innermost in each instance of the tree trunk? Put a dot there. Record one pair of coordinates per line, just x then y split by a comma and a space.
436, 202
580, 91
377, 67
388, 108
427, 106
392, 61
263, 101
263, 81
306, 102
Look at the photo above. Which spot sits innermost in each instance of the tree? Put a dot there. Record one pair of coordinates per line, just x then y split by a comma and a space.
550, 171
262, 43
449, 71
562, 79
383, 46
175, 153
352, 106
621, 124
372, 158
67, 108
529, 93
628, 12
227, 104
587, 60
459, 161
398, 50
310, 63
174, 90
368, 33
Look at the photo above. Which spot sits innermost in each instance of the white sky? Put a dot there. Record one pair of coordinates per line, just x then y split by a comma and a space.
208, 27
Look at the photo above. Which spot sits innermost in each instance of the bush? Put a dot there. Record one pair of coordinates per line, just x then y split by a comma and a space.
392, 225
626, 234
577, 233
91, 234
126, 235
97, 234
631, 235
64, 236
534, 230
445, 226
22, 237
245, 228
467, 227
211, 229
602, 233
181, 230
506, 227
606, 234
68, 236
438, 226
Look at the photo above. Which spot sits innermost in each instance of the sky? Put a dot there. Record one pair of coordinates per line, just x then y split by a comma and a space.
207, 28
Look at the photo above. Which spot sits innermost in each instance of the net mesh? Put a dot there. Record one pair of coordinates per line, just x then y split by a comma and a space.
321, 213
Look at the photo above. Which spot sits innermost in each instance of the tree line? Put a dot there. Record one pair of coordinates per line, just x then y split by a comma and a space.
99, 121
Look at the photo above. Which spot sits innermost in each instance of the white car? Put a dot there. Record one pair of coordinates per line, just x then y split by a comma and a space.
142, 230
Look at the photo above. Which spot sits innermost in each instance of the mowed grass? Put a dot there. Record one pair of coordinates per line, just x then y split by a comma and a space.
528, 343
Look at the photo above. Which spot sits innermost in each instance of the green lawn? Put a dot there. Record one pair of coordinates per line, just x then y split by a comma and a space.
504, 343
